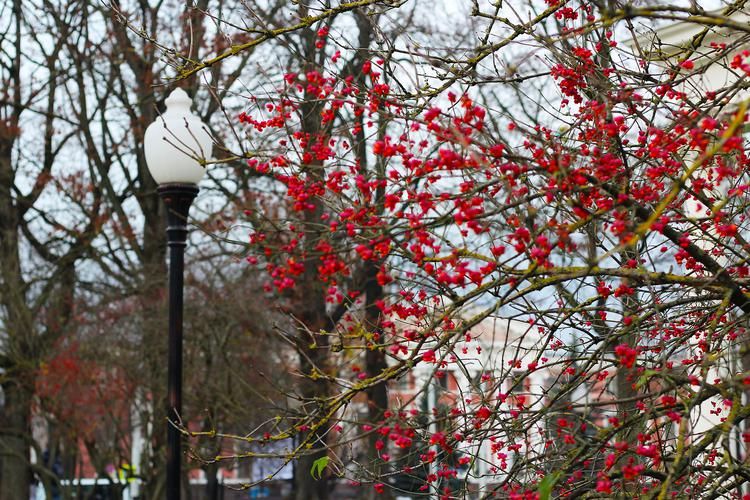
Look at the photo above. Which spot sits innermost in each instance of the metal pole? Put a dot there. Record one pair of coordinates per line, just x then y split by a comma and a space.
177, 198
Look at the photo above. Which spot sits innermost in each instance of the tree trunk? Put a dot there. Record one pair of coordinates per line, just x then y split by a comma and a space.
312, 346
375, 361
212, 481
15, 413
313, 357
15, 432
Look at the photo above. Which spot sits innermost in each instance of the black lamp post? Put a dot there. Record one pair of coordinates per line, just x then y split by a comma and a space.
174, 145
177, 198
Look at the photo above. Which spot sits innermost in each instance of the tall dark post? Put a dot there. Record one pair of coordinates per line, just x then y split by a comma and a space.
177, 198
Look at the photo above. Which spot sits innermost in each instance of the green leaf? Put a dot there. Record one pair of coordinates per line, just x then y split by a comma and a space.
318, 466
546, 485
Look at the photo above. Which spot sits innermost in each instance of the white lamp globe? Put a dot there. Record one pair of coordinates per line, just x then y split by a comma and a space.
175, 142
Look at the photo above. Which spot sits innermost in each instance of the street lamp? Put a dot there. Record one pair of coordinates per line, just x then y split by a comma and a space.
176, 146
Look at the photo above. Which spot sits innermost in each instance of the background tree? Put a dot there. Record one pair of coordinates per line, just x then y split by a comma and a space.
40, 247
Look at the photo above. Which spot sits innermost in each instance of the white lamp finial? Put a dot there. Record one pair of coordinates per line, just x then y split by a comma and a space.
177, 142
